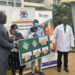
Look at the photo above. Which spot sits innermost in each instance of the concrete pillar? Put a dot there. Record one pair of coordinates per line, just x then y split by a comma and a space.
22, 3
73, 14
7, 2
14, 3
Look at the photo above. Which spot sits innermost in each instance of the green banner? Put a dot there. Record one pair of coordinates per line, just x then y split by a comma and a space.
33, 48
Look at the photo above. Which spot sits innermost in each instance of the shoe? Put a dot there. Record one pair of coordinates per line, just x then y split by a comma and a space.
66, 69
32, 73
41, 73
58, 69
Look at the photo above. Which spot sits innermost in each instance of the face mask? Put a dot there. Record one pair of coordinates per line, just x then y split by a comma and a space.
36, 24
17, 30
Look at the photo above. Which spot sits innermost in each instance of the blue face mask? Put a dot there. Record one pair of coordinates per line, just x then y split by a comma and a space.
17, 30
36, 24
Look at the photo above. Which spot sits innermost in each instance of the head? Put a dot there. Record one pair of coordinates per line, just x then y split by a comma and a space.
3, 17
65, 20
36, 23
15, 28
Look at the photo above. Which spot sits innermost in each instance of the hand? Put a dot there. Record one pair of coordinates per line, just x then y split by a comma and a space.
16, 45
50, 41
17, 39
72, 48
35, 35
11, 39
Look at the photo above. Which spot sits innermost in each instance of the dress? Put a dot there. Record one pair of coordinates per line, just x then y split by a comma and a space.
14, 62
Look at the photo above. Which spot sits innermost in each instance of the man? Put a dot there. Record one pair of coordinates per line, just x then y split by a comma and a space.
65, 41
38, 31
5, 45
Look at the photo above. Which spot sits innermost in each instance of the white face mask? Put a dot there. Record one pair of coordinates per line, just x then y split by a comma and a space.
17, 30
36, 24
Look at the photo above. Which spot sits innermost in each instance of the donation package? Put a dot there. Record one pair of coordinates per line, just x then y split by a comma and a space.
33, 48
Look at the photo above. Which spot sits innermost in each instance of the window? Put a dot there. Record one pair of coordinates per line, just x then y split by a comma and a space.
2, 3
10, 0
34, 1
10, 3
18, 1
18, 5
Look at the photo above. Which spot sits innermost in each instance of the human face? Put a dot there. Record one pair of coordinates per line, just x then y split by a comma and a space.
16, 29
36, 24
12, 32
65, 21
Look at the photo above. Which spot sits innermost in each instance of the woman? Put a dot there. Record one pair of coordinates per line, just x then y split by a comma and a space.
14, 56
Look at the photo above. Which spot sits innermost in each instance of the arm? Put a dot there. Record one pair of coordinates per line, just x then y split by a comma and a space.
4, 43
21, 36
72, 38
42, 33
11, 39
54, 34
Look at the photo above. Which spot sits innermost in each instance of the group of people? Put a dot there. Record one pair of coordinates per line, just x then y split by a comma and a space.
14, 62
9, 51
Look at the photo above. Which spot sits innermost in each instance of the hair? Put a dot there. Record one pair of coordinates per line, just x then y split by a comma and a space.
65, 17
13, 26
35, 21
32, 29
3, 17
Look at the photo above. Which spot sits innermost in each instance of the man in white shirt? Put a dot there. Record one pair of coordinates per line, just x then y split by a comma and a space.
65, 41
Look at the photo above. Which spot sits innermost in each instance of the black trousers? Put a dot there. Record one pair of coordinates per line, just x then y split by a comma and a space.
59, 62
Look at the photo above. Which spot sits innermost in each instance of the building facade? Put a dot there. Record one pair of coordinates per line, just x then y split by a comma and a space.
56, 1
23, 3
67, 1
16, 3
33, 3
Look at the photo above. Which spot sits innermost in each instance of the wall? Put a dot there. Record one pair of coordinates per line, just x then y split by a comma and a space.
8, 12
68, 0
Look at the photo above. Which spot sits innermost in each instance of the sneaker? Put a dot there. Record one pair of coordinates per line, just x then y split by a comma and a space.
58, 69
41, 73
66, 69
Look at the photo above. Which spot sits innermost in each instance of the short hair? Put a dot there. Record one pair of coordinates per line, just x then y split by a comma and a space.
32, 29
3, 17
65, 17
13, 26
35, 21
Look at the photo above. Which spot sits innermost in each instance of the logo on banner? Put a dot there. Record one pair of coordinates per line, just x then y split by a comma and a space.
25, 46
23, 14
34, 43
